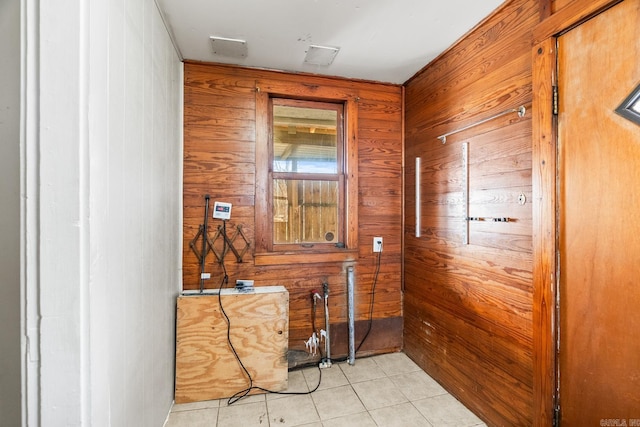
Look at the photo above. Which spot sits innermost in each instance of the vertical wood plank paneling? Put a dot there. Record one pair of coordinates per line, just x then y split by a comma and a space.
224, 140
566, 14
261, 177
351, 154
544, 231
468, 307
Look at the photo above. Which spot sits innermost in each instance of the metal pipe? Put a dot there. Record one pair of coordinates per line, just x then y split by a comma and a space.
351, 315
418, 198
521, 110
327, 339
465, 191
205, 241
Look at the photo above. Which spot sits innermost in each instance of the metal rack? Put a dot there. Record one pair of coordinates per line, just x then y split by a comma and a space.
209, 245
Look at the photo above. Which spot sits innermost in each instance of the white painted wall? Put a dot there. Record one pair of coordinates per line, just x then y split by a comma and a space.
10, 365
108, 88
136, 183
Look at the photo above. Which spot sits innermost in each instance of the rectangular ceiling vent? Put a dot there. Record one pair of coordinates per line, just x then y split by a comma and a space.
321, 55
233, 48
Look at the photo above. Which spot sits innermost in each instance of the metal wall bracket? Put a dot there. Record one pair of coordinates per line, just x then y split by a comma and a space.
465, 190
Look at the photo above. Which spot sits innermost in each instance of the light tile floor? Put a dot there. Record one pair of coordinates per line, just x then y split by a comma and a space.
387, 390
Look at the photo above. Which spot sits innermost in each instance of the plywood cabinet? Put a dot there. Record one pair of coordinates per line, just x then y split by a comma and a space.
206, 367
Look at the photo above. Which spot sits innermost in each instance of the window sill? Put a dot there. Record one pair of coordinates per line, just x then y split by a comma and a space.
315, 257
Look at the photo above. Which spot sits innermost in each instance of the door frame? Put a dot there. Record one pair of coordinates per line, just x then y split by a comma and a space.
544, 179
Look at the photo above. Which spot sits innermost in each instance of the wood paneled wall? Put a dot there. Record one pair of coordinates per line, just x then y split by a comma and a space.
468, 307
220, 160
557, 5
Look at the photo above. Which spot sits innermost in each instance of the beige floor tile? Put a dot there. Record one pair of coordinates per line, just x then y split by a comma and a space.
364, 369
194, 418
247, 415
402, 415
362, 419
292, 411
296, 384
387, 390
446, 411
417, 385
396, 363
331, 377
252, 398
379, 393
178, 407
337, 402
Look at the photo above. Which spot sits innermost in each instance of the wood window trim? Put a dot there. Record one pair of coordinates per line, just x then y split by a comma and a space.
337, 177
266, 89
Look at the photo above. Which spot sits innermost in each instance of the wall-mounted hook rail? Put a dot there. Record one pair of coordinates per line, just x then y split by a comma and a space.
521, 110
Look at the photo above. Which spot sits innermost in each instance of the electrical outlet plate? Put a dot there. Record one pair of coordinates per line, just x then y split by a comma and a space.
377, 244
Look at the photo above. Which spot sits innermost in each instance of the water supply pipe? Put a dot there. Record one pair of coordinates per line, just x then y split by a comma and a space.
351, 316
326, 363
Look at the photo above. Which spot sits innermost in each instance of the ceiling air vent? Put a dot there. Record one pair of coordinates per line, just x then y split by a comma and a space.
233, 48
321, 55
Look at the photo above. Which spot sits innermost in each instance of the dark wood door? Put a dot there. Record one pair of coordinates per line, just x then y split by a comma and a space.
599, 220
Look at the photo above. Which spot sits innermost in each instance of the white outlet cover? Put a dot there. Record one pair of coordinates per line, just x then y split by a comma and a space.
376, 247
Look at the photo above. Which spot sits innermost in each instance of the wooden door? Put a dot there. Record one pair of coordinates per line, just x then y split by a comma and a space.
599, 220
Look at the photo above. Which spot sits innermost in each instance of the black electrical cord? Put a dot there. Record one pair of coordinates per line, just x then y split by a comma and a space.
225, 279
373, 294
295, 392
243, 393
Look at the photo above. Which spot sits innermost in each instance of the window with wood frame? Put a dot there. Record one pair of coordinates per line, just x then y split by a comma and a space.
306, 175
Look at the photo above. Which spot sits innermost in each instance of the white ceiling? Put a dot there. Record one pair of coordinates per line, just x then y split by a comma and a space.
379, 40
